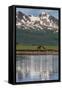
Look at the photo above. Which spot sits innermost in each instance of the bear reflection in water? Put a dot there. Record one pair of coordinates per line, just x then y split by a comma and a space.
36, 67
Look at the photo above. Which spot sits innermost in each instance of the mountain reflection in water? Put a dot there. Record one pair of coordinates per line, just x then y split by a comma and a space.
36, 67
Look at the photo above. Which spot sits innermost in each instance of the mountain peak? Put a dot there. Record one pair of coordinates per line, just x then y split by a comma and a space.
44, 20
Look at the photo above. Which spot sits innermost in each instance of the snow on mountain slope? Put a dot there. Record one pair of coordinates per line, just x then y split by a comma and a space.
42, 21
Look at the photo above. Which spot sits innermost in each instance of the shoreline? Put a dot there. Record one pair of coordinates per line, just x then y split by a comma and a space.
36, 52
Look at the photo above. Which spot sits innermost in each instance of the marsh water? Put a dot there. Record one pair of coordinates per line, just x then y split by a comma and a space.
36, 67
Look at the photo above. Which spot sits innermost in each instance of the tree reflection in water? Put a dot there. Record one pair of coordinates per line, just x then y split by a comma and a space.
35, 68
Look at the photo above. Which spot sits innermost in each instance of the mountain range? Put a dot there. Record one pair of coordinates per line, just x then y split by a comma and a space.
40, 22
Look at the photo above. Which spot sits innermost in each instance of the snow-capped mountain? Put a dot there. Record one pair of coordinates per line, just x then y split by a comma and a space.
42, 21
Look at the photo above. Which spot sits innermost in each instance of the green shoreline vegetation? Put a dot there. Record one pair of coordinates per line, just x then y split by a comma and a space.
35, 47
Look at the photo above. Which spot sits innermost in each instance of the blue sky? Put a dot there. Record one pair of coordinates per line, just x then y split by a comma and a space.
36, 12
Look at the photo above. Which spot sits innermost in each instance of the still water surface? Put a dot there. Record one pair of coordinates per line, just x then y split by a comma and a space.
36, 67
